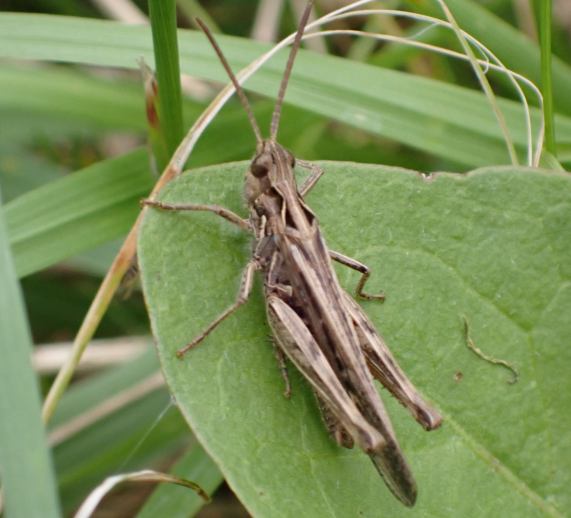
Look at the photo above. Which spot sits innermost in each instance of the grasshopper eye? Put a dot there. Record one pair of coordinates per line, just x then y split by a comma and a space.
258, 169
261, 165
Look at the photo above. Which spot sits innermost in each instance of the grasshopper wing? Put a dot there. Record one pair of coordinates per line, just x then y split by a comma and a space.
379, 442
385, 368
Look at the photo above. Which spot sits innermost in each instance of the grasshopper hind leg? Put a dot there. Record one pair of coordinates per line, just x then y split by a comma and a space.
384, 368
336, 430
282, 363
363, 269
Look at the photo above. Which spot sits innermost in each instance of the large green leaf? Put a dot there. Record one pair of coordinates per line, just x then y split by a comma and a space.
442, 119
492, 246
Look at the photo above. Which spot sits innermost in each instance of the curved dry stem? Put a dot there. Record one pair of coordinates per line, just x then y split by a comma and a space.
104, 294
484, 83
496, 64
349, 11
126, 254
94, 498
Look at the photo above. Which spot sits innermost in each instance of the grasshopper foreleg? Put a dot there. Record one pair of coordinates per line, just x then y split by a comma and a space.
228, 215
362, 269
243, 295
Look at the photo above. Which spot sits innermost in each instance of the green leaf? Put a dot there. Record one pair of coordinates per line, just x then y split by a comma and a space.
442, 119
492, 245
78, 212
26, 471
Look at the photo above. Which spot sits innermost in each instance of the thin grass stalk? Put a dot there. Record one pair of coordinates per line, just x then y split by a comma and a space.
162, 14
545, 19
484, 83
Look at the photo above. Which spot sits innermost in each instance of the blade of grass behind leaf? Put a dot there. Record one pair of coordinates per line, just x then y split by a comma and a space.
79, 211
93, 453
383, 102
54, 90
162, 14
545, 18
26, 470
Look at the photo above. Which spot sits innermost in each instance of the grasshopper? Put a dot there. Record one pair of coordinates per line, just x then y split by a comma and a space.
315, 323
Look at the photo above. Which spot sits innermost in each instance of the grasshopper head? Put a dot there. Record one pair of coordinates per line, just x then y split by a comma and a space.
271, 168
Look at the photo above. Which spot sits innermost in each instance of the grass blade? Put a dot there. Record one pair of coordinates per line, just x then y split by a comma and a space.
55, 90
545, 18
162, 14
78, 212
384, 102
25, 462
139, 435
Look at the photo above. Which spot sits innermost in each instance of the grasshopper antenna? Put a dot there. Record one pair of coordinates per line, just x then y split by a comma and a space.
294, 48
239, 90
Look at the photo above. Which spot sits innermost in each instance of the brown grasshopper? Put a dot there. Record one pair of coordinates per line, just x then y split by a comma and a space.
314, 321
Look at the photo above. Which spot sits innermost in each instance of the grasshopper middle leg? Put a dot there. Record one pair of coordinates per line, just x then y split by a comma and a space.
243, 295
362, 269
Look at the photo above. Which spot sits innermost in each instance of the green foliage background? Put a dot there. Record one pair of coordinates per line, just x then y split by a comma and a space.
491, 245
